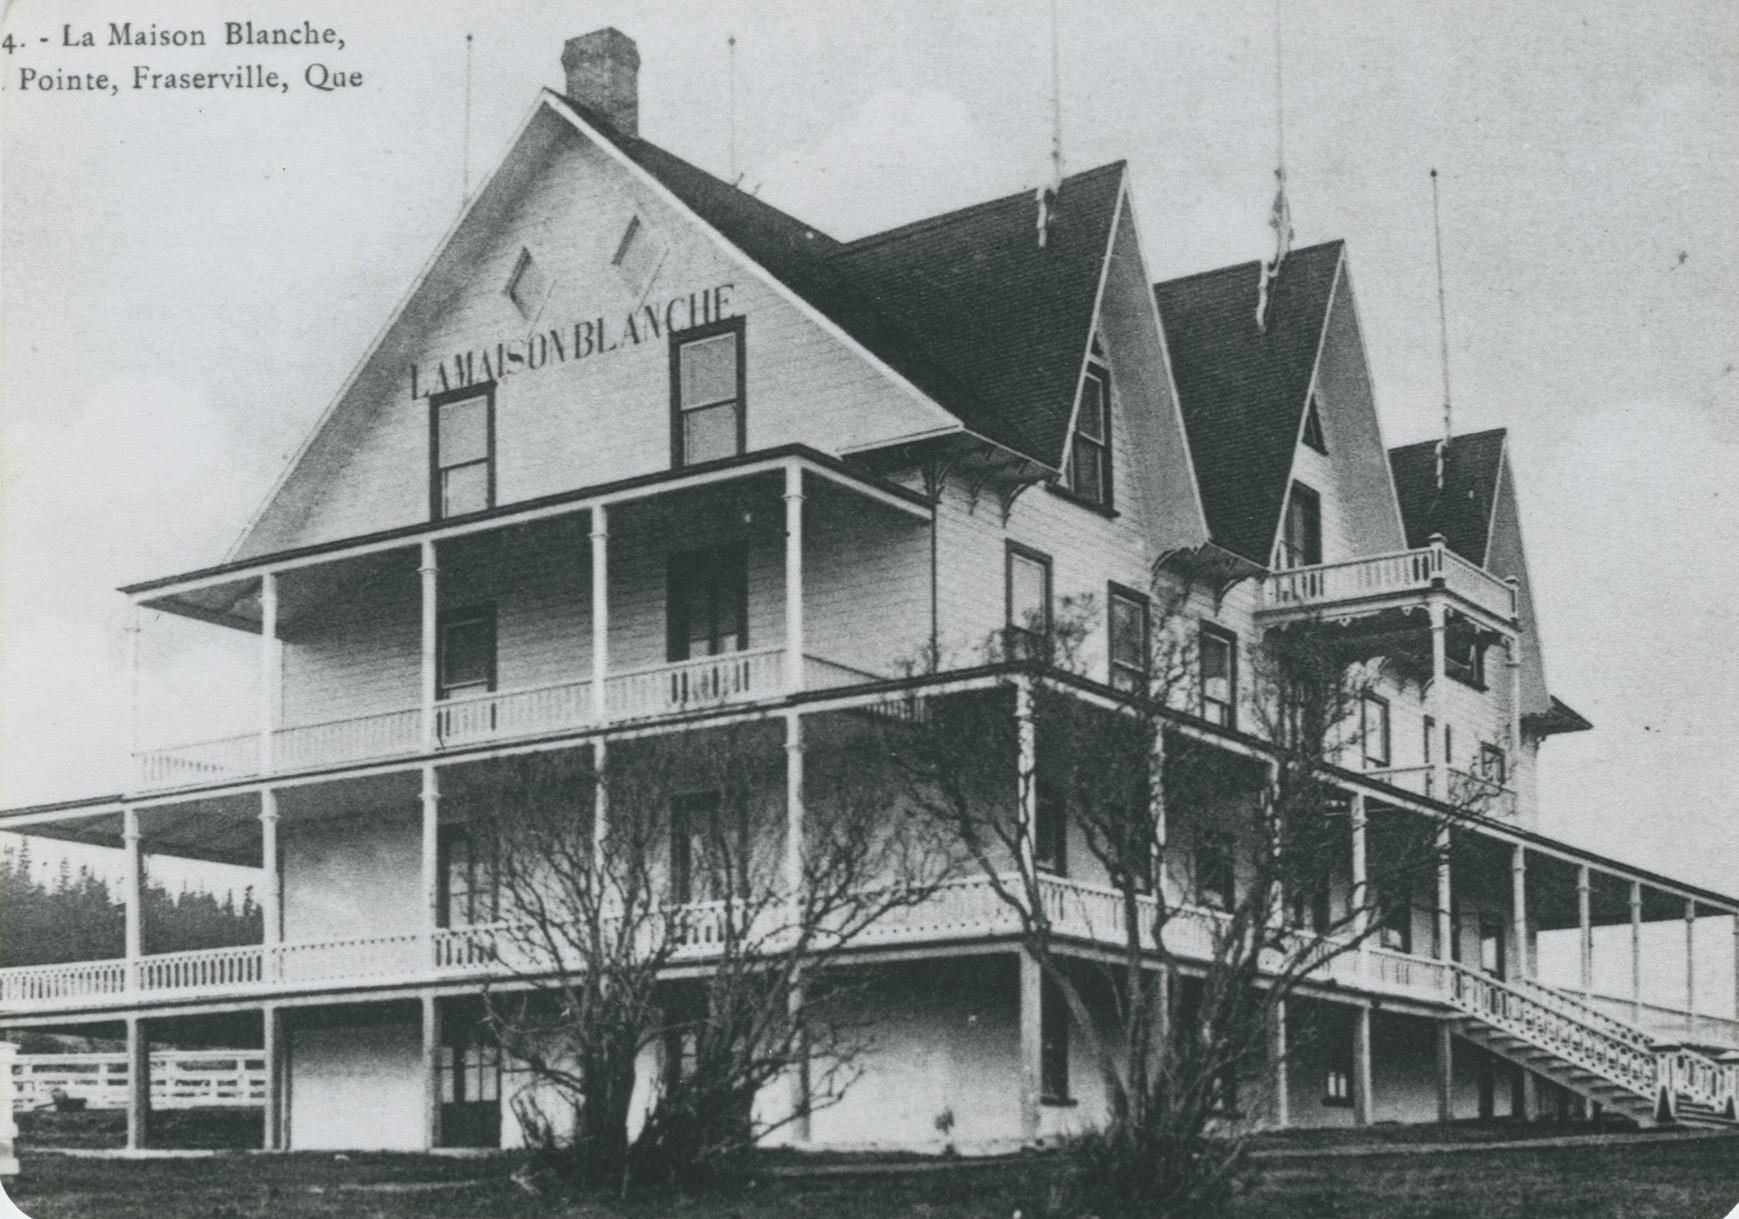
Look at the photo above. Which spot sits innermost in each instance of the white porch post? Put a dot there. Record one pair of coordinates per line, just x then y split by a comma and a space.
271, 1043
1635, 952
1445, 1055
431, 1073
1513, 658
794, 817
138, 1083
1439, 613
1026, 773
135, 765
600, 615
1690, 969
1585, 930
1446, 929
1277, 1064
431, 630
1361, 881
431, 856
600, 795
793, 578
271, 671
1031, 1043
133, 879
271, 888
1519, 909
1156, 805
1362, 1101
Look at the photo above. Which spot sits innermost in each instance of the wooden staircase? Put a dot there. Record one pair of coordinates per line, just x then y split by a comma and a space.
1593, 1055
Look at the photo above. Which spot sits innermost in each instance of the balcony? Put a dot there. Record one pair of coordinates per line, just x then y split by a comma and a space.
1474, 793
650, 692
1399, 580
968, 909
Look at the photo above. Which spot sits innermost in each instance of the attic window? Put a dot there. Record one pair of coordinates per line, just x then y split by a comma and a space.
527, 285
638, 256
1313, 428
1090, 448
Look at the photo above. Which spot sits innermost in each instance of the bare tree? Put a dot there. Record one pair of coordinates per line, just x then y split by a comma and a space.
1252, 902
693, 865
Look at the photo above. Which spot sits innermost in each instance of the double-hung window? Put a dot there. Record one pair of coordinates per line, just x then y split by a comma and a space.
1374, 731
469, 886
1218, 655
707, 419
1302, 544
462, 456
1493, 764
1090, 448
707, 603
1029, 601
465, 652
1128, 627
1050, 830
1215, 875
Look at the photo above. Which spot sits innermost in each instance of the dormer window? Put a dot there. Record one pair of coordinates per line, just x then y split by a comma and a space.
527, 285
1302, 544
1313, 428
1090, 448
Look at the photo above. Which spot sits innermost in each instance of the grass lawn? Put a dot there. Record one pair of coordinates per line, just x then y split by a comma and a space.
1692, 1179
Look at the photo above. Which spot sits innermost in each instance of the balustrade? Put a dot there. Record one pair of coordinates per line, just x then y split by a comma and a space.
1324, 584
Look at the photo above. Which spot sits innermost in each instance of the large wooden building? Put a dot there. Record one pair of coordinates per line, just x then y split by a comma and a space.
641, 456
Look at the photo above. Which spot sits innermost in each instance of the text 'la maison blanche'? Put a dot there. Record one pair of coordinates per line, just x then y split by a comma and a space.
145, 77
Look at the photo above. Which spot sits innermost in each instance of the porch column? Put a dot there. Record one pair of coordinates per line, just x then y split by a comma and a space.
133, 882
1519, 909
1031, 1043
1445, 897
271, 886
1525, 1096
1635, 952
793, 578
431, 1073
1362, 1103
600, 613
1277, 1064
431, 634
1156, 805
1439, 613
600, 795
1361, 882
794, 817
136, 623
431, 862
1690, 970
1513, 658
1026, 772
271, 1042
1585, 930
271, 671
1445, 1055
138, 1084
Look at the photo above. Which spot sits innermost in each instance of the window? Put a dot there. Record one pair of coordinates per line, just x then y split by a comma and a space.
1491, 944
706, 393
1374, 730
1310, 901
1493, 764
707, 602
638, 256
702, 846
1395, 925
1337, 1089
527, 285
1430, 731
1464, 660
1128, 632
465, 652
1090, 448
468, 878
1029, 601
1051, 830
1313, 428
462, 444
1219, 664
1054, 1021
468, 1072
1302, 544
1216, 884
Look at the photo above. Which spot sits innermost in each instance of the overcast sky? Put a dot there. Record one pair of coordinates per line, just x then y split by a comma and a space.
188, 278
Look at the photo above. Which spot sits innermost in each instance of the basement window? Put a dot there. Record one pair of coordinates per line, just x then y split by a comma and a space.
527, 285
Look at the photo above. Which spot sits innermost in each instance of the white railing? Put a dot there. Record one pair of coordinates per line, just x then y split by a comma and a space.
1671, 1023
358, 739
1467, 790
32, 984
690, 684
1403, 571
234, 757
202, 969
514, 713
822, 674
180, 1079
406, 954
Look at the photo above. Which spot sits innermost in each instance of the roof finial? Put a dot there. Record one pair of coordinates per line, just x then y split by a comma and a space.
1442, 329
1047, 194
1280, 220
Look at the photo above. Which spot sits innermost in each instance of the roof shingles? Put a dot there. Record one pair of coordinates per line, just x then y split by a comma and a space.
1461, 511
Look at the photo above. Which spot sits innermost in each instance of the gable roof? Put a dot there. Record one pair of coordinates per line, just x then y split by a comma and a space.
1462, 511
966, 305
1243, 391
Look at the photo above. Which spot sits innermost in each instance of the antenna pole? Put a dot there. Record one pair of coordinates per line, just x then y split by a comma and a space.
731, 53
1279, 99
465, 156
1442, 326
1056, 103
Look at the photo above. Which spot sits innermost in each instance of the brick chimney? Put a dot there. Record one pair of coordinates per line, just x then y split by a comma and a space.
603, 70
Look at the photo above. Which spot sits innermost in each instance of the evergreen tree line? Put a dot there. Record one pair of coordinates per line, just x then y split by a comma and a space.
77, 918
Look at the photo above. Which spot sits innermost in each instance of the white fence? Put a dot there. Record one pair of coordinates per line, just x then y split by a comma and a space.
180, 1079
